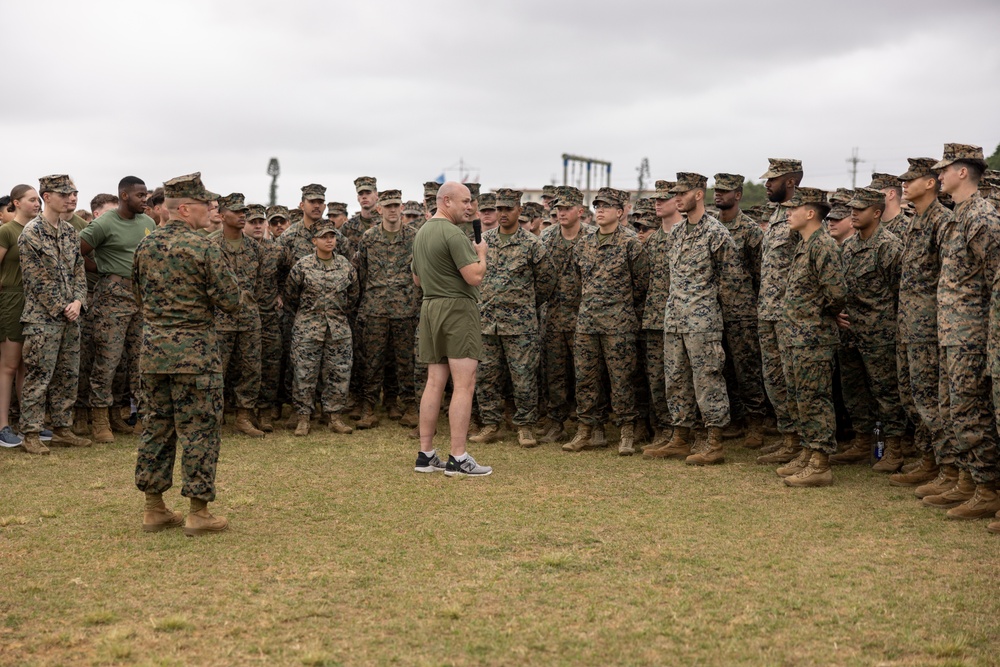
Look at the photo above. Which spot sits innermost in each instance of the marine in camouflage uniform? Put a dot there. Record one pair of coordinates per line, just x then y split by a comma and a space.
53, 277
891, 187
353, 229
868, 363
180, 282
272, 324
519, 279
614, 277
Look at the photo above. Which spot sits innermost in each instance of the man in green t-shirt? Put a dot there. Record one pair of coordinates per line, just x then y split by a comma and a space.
448, 268
117, 322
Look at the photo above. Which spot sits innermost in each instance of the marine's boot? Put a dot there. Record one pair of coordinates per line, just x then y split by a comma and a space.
201, 522
526, 437
293, 420
580, 441
678, 447
337, 425
771, 426
137, 427
355, 410
641, 433
100, 426
626, 444
488, 433
410, 418
994, 526
64, 437
946, 478
245, 426
552, 431
859, 451
33, 445
367, 418
817, 473
81, 421
392, 410
754, 438
963, 490
892, 457
264, 419
983, 504
301, 424
790, 448
414, 433
925, 471
734, 430
599, 438
157, 516
118, 425
795, 465
712, 454
660, 439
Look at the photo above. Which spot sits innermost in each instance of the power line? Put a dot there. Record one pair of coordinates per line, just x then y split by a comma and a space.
853, 161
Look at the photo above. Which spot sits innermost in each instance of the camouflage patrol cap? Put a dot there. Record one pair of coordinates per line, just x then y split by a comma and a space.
645, 205
609, 196
687, 180
336, 208
487, 201
324, 227
413, 208
431, 189
365, 183
277, 211
473, 190
508, 197
387, 197
567, 195
548, 191
841, 196
883, 181
728, 182
839, 212
919, 166
256, 212
313, 191
533, 209
663, 189
59, 183
234, 201
647, 220
805, 196
623, 196
992, 176
295, 215
187, 187
779, 166
865, 197
961, 153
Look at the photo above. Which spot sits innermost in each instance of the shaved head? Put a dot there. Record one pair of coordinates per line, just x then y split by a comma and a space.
452, 189
454, 202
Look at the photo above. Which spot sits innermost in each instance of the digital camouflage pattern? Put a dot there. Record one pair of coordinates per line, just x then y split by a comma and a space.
809, 373
389, 343
516, 355
271, 323
60, 183
614, 278
51, 355
871, 273
692, 365
967, 412
355, 228
748, 237
296, 243
657, 247
615, 353
383, 266
52, 271
116, 334
919, 384
919, 264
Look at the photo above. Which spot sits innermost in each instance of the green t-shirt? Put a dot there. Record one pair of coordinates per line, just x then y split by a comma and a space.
505, 237
235, 244
328, 263
114, 241
440, 249
10, 268
602, 238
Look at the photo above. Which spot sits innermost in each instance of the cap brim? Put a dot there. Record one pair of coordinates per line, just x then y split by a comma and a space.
942, 164
910, 175
207, 196
679, 189
391, 201
276, 217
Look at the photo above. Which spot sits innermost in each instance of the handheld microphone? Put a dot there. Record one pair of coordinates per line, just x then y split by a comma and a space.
477, 229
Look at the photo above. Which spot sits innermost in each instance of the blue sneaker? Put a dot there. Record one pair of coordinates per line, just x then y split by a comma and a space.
8, 438
45, 435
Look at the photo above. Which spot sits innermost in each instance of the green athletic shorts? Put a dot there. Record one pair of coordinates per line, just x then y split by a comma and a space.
11, 305
449, 329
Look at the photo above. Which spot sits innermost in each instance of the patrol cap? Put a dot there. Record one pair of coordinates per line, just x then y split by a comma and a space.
839, 212
647, 220
687, 180
473, 190
841, 196
256, 212
187, 187
59, 183
663, 189
313, 191
728, 182
992, 176
488, 201
324, 227
623, 196
336, 208
532, 210
567, 195
277, 211
645, 205
882, 181
413, 208
548, 191
431, 189
387, 197
780, 166
508, 197
865, 197
961, 152
234, 202
365, 183
295, 215
609, 196
805, 196
919, 166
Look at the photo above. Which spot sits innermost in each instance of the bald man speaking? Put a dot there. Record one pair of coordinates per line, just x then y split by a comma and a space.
448, 268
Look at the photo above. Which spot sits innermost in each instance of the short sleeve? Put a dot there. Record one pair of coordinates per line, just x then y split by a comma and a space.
462, 252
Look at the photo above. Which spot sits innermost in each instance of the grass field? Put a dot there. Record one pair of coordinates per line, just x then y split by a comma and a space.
339, 554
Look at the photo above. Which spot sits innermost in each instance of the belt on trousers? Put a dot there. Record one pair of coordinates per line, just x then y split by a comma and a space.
115, 278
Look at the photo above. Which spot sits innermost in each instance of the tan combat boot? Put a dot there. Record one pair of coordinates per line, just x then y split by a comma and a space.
754, 438
244, 425
338, 425
994, 526
392, 410
118, 425
795, 465
925, 471
552, 431
962, 491
660, 439
410, 418
301, 424
734, 430
946, 478
354, 411
101, 427
264, 419
293, 420
81, 421
201, 522
626, 444
983, 504
892, 457
580, 441
599, 438
488, 433
678, 447
33, 445
526, 437
859, 450
790, 448
641, 433
713, 454
137, 429
157, 516
817, 473
65, 437
367, 418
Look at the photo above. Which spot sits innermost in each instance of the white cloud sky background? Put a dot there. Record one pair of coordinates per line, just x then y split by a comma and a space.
401, 90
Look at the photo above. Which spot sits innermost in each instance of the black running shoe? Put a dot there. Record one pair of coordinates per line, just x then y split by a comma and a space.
428, 463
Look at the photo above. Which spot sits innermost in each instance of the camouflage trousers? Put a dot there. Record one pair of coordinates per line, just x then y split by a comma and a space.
965, 394
285, 388
692, 367
560, 380
743, 374
918, 370
616, 353
315, 352
86, 355
388, 342
517, 355
639, 381
774, 375
243, 348
809, 372
271, 351
659, 410
51, 356
871, 391
183, 410
357, 382
117, 328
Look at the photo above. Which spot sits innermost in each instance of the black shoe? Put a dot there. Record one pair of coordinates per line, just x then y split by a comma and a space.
428, 463
468, 467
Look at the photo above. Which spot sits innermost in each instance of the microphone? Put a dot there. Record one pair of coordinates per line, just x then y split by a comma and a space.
477, 229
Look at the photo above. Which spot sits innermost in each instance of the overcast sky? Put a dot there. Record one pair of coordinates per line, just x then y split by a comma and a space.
403, 90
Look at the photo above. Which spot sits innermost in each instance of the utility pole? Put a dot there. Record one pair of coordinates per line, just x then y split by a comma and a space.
643, 170
274, 170
854, 160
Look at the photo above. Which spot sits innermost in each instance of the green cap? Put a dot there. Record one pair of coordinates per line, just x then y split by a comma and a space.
187, 187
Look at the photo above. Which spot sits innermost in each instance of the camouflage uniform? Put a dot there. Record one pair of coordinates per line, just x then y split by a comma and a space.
179, 280
271, 325
519, 279
356, 226
53, 276
323, 299
658, 252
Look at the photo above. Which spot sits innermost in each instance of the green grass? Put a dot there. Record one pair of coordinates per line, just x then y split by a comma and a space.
339, 554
